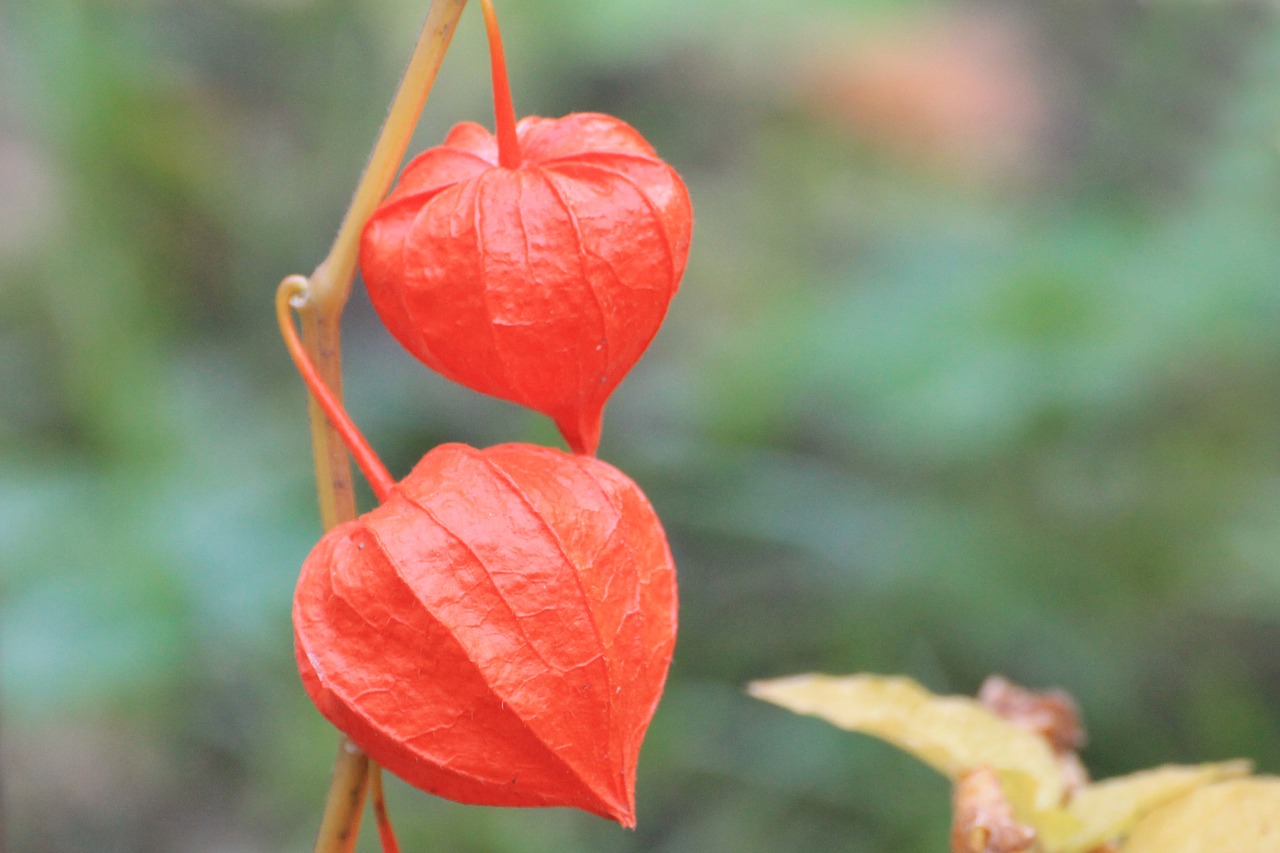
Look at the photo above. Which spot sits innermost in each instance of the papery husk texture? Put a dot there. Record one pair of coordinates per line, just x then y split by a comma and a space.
498, 631
541, 284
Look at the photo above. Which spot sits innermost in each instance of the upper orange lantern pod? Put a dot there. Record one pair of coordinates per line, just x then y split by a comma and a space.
534, 265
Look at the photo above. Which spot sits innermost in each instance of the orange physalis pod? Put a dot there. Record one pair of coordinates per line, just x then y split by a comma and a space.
498, 631
535, 265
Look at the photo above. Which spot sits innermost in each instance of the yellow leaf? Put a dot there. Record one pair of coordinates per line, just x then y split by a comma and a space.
1237, 816
952, 734
1108, 809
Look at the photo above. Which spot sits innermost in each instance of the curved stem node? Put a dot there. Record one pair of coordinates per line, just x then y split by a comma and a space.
294, 290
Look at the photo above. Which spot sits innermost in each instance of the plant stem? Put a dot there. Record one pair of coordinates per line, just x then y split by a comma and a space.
385, 833
293, 292
504, 114
340, 827
321, 315
331, 281
321, 341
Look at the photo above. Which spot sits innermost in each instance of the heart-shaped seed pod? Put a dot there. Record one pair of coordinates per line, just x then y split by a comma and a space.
498, 631
535, 266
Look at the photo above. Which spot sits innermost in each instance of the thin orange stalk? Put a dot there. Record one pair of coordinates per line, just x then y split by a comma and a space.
293, 293
385, 833
504, 114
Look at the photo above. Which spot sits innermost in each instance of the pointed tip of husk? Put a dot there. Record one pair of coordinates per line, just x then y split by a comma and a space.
610, 795
581, 430
621, 812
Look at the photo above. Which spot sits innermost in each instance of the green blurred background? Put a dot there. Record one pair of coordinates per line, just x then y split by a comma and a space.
975, 368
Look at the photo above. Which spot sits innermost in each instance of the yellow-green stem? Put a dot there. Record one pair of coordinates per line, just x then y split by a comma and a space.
340, 828
321, 316
331, 281
322, 339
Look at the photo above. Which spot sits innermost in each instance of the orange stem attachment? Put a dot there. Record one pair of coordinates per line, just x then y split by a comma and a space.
291, 293
504, 114
386, 835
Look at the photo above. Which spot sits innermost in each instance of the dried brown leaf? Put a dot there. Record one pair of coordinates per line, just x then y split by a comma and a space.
983, 819
1052, 714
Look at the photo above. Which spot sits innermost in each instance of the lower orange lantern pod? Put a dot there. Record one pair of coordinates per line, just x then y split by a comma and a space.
498, 631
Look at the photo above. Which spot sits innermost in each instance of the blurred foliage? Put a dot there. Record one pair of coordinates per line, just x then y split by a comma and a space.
976, 368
